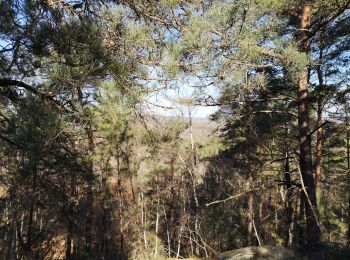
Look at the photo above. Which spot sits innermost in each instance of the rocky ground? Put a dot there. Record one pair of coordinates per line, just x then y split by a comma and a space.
323, 251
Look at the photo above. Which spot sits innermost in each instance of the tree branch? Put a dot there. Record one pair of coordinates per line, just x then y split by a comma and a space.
236, 196
5, 82
9, 141
330, 19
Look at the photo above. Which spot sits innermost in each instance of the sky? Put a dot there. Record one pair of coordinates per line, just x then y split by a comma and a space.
169, 102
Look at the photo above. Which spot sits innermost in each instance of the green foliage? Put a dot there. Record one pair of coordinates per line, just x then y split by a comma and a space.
36, 127
272, 5
295, 61
210, 147
112, 114
171, 3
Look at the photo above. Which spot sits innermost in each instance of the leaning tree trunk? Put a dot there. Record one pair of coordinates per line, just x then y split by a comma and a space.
313, 230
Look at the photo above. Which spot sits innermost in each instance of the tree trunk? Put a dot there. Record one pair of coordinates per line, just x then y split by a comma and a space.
31, 214
289, 207
68, 245
121, 204
301, 220
289, 194
192, 172
320, 138
250, 206
89, 197
71, 219
348, 169
319, 148
157, 222
313, 230
143, 220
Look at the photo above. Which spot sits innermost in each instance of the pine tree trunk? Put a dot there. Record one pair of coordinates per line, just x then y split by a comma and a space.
348, 168
313, 230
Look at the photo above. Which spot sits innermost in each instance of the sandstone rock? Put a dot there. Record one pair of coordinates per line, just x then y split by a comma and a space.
259, 253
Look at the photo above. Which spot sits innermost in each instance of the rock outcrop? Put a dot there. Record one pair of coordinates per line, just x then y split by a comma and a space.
322, 251
259, 253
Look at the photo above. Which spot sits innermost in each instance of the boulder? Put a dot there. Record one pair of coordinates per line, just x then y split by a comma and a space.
259, 253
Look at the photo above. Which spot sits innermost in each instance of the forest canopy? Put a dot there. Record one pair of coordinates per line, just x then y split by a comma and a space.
91, 168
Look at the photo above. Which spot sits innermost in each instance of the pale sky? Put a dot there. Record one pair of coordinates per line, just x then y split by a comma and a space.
168, 103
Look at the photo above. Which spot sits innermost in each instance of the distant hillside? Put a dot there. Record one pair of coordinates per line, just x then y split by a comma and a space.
202, 128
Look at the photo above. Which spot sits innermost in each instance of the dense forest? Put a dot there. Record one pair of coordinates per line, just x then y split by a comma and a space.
90, 168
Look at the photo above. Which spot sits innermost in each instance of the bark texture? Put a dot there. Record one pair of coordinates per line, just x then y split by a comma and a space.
313, 230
